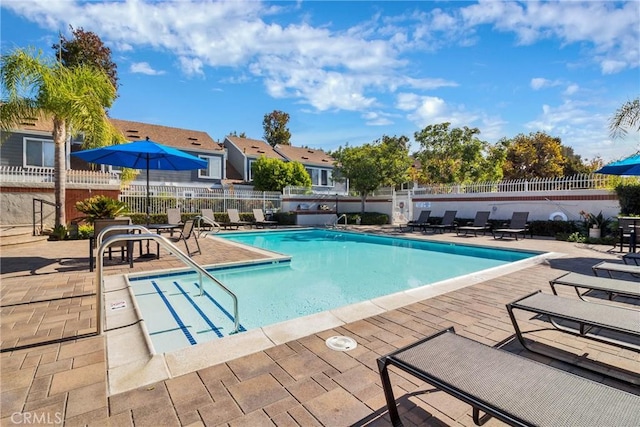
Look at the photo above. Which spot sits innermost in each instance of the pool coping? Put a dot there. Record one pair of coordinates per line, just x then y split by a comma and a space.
132, 362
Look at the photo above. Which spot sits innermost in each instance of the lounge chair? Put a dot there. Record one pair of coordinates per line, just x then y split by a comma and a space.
611, 287
631, 257
611, 267
448, 222
234, 220
509, 387
480, 223
186, 232
517, 225
421, 222
591, 320
260, 220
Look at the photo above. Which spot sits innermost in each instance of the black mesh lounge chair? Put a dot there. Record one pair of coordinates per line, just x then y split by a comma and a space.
605, 323
611, 287
628, 230
260, 220
631, 258
480, 223
611, 267
448, 222
422, 221
511, 388
517, 225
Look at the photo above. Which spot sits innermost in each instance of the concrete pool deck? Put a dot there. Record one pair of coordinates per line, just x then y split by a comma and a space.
291, 382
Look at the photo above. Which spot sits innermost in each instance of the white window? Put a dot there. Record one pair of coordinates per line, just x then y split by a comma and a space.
250, 177
321, 177
214, 168
38, 152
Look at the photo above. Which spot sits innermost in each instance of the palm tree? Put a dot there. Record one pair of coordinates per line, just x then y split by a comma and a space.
627, 116
74, 99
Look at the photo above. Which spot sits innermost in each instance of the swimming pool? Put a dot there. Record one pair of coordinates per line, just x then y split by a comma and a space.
327, 269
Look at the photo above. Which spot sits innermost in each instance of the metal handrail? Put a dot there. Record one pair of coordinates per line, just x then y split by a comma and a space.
165, 243
42, 202
201, 218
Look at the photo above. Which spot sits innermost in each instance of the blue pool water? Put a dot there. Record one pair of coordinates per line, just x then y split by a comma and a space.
328, 269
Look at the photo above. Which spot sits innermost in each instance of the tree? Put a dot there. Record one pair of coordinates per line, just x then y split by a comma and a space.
275, 174
86, 48
234, 133
626, 117
574, 165
457, 155
536, 155
384, 162
75, 100
275, 128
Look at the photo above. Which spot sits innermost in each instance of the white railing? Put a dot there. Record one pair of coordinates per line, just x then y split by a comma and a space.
305, 191
194, 199
574, 182
19, 174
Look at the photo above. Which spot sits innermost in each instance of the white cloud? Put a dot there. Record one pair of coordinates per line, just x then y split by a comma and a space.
377, 118
144, 68
425, 110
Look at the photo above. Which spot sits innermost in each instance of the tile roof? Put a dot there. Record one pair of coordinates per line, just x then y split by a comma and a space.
135, 131
306, 156
254, 147
185, 139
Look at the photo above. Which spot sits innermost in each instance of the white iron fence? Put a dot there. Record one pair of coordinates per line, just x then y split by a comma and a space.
18, 174
574, 182
194, 199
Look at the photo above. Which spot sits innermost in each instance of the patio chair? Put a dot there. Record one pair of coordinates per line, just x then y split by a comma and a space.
612, 287
126, 248
187, 231
234, 219
480, 223
611, 267
422, 221
261, 221
628, 228
506, 386
517, 225
448, 222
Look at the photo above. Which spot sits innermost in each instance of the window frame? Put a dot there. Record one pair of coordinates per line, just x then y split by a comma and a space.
26, 140
209, 160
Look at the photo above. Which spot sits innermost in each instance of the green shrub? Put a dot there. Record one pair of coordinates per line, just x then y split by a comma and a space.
629, 198
285, 218
99, 207
368, 218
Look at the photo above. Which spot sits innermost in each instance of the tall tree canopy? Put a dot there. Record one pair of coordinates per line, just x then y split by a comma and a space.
457, 155
86, 48
626, 117
536, 155
275, 128
75, 99
384, 162
275, 174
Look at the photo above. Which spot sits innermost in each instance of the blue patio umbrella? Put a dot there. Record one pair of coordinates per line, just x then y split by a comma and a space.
142, 155
628, 166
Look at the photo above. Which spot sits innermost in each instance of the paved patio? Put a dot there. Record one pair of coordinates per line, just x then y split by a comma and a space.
47, 294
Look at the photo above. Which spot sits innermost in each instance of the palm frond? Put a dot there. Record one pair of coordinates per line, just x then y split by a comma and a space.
626, 117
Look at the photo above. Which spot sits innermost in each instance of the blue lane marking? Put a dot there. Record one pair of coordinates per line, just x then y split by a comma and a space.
181, 325
213, 300
213, 327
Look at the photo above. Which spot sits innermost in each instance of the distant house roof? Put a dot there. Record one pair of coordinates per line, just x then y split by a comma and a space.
135, 131
185, 139
254, 147
306, 156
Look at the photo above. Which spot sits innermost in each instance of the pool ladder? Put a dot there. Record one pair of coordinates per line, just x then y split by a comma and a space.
337, 221
145, 234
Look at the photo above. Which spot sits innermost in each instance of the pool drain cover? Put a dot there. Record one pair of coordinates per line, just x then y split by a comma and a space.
341, 343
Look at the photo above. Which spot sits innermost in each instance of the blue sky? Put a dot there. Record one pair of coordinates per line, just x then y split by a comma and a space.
350, 72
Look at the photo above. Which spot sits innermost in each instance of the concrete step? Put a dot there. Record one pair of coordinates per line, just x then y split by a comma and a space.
18, 235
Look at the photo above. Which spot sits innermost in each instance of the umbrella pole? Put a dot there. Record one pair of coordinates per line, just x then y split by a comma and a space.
149, 254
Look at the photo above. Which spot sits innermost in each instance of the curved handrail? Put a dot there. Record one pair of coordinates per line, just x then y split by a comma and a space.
201, 218
165, 243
